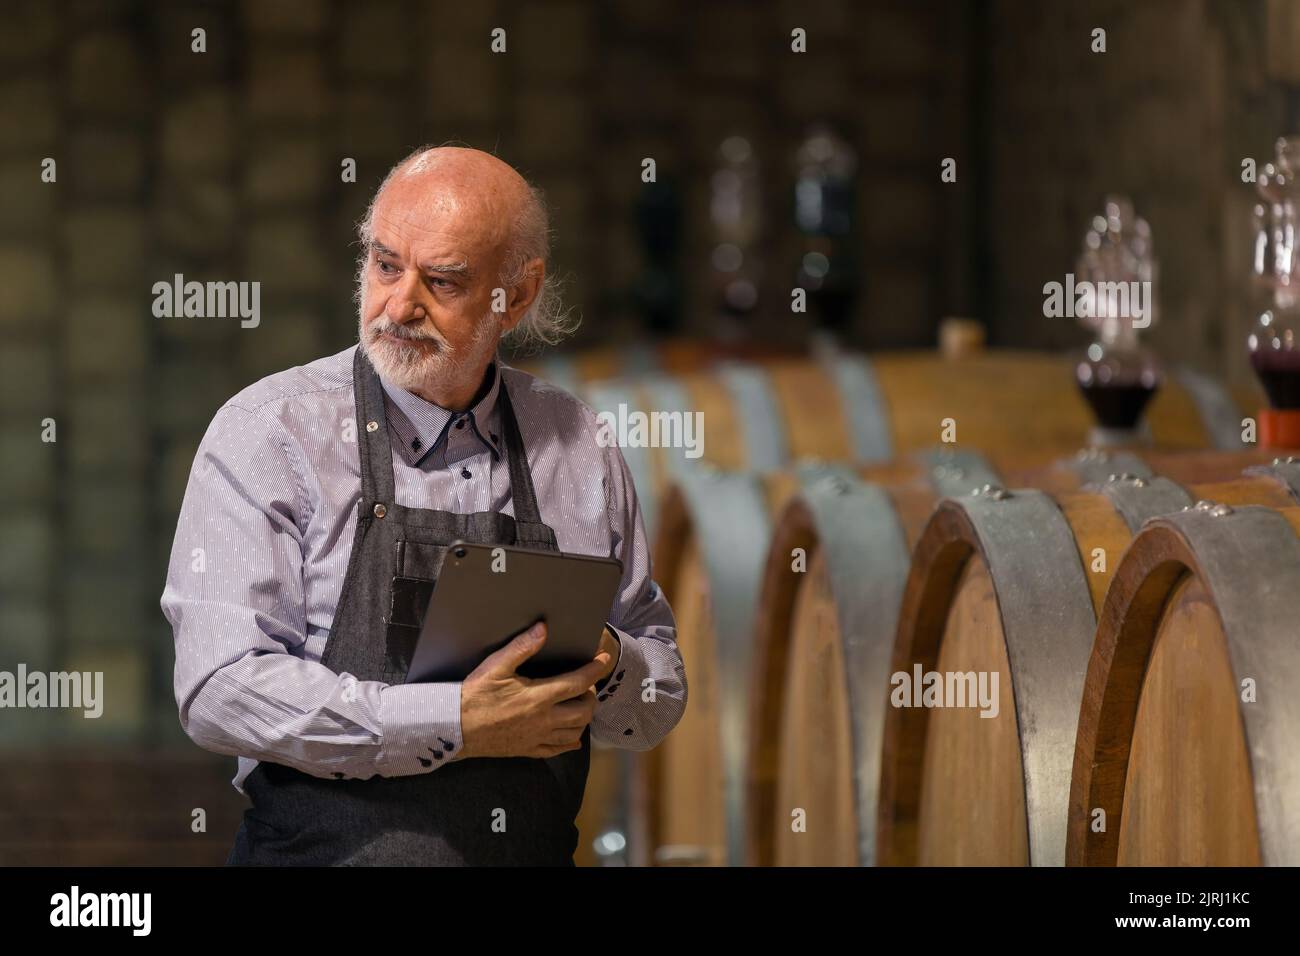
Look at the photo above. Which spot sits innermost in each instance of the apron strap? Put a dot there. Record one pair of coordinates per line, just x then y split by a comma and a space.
521, 479
376, 450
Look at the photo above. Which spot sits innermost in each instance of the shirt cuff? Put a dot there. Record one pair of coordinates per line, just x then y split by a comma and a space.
629, 668
420, 724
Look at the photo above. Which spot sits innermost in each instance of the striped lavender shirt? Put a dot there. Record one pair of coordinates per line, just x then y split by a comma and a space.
262, 546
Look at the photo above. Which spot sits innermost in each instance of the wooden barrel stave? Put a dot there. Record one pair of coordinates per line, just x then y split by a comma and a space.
998, 771
1225, 832
820, 789
694, 799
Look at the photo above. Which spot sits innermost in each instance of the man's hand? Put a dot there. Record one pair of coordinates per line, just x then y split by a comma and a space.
505, 715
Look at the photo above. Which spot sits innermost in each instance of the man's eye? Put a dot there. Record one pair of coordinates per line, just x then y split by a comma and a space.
387, 268
442, 283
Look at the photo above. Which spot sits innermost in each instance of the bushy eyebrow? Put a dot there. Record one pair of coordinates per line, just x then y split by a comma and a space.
459, 268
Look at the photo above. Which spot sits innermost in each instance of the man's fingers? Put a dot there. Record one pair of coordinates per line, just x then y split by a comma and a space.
553, 750
574, 683
524, 646
563, 738
575, 713
598, 667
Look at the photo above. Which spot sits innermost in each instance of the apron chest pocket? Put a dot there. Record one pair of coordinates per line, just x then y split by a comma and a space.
419, 559
417, 565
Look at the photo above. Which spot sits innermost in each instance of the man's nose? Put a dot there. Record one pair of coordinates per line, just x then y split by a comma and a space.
404, 303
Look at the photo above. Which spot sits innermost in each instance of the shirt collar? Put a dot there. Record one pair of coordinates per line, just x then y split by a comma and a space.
424, 426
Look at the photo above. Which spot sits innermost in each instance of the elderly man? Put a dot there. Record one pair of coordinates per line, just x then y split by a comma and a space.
317, 512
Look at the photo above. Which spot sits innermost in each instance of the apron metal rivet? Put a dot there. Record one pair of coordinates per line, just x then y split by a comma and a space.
380, 511
372, 426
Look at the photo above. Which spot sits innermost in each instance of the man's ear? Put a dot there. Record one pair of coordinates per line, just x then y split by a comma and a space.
520, 297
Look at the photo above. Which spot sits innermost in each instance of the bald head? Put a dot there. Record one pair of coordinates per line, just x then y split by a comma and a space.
449, 186
459, 167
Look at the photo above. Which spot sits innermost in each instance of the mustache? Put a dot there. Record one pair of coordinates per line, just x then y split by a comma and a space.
385, 327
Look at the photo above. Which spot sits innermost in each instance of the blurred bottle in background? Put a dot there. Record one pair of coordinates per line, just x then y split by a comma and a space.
824, 198
736, 214
659, 293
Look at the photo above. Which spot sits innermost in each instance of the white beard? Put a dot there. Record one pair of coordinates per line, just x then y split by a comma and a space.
417, 365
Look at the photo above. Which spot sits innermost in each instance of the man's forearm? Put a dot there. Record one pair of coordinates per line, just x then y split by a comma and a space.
280, 708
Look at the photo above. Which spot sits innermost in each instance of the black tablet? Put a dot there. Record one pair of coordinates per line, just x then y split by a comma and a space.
488, 594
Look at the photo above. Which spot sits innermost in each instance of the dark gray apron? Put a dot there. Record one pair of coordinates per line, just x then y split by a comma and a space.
451, 815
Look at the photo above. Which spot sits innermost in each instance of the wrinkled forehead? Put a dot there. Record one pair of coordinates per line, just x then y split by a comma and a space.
440, 205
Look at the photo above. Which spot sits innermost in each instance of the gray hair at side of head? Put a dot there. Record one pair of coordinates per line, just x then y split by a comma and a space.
547, 321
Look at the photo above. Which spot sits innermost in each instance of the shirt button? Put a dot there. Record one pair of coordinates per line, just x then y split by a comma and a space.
464, 473
461, 423
416, 444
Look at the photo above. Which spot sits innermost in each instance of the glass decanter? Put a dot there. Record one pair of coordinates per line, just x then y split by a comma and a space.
1272, 343
1116, 374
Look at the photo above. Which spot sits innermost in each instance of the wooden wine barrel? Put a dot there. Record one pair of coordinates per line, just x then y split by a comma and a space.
1009, 584
1186, 751
842, 406
710, 554
859, 541
709, 557
847, 407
